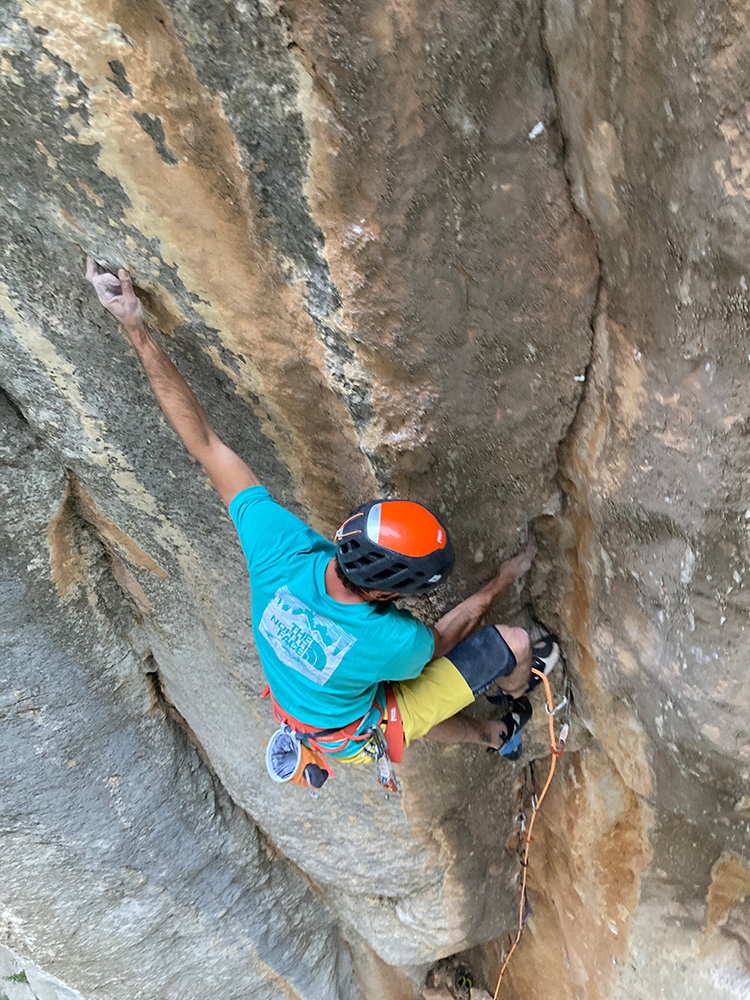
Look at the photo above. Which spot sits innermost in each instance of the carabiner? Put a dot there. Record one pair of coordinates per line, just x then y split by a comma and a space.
557, 707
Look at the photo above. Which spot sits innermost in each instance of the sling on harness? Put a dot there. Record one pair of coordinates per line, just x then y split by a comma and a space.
385, 734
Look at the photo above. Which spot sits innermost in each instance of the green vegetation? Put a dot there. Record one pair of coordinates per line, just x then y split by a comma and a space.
17, 977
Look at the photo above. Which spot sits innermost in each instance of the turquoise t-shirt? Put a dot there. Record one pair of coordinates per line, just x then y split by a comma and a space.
323, 659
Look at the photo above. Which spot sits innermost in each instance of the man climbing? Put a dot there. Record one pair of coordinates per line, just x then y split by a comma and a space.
338, 655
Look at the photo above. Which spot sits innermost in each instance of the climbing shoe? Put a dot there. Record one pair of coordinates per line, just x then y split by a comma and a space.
545, 655
515, 720
499, 698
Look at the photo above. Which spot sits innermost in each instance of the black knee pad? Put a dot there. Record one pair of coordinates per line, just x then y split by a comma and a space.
482, 658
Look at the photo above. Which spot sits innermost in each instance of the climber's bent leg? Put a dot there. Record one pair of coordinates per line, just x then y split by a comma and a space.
437, 693
517, 682
430, 703
462, 728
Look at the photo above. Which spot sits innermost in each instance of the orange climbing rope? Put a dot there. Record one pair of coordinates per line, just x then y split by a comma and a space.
557, 746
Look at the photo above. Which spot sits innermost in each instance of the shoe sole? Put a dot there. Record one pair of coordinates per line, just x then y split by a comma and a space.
540, 663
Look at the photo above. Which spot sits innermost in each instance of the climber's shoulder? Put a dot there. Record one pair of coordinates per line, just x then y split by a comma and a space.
229, 473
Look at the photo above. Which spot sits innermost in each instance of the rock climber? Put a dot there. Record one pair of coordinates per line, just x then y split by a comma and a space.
338, 655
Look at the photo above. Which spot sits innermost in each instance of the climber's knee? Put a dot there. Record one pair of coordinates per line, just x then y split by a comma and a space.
519, 641
452, 682
517, 682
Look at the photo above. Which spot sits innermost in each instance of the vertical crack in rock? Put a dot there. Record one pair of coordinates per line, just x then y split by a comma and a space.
161, 704
565, 142
593, 839
579, 460
588, 854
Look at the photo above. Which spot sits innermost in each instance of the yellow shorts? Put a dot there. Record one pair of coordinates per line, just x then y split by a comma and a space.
445, 686
435, 695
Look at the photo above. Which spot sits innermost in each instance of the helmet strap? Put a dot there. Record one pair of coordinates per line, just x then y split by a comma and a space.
345, 534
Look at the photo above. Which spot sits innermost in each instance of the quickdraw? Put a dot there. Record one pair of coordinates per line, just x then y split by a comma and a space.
386, 775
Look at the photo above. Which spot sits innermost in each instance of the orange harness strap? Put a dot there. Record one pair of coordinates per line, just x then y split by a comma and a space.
394, 729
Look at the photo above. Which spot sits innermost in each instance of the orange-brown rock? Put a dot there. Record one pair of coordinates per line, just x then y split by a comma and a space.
488, 256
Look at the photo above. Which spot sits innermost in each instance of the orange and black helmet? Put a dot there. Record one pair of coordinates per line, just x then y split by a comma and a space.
394, 545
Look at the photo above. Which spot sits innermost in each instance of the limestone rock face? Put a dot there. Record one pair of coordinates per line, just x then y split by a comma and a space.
649, 582
489, 256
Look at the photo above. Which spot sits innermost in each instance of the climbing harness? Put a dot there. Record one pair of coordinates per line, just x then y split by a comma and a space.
557, 748
301, 755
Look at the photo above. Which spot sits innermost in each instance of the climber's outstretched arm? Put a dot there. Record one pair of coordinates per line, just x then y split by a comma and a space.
466, 617
225, 468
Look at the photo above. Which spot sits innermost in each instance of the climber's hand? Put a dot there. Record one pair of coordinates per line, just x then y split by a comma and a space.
116, 294
521, 562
